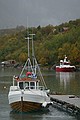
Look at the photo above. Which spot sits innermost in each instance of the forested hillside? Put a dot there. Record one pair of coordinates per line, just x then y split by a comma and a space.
51, 43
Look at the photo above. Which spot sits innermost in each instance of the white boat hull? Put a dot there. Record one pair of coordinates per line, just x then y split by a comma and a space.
28, 100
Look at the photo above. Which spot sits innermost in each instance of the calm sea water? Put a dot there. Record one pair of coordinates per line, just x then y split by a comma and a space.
68, 83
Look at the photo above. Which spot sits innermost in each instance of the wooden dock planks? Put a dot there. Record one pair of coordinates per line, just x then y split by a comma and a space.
71, 103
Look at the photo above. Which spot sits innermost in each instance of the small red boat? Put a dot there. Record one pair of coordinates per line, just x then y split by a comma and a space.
65, 66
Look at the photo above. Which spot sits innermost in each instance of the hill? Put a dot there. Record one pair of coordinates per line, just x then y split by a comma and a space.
51, 43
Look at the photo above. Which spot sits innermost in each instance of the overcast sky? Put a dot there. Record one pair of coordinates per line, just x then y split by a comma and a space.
37, 12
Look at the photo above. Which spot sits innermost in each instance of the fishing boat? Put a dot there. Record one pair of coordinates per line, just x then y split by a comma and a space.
29, 91
65, 66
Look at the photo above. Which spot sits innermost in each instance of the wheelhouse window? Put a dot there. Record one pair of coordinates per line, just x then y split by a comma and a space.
21, 85
26, 85
32, 85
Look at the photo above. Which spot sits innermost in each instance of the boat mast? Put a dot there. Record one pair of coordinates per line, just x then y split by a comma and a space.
33, 57
35, 64
28, 60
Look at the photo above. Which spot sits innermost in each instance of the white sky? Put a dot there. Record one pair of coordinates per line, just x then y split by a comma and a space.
38, 12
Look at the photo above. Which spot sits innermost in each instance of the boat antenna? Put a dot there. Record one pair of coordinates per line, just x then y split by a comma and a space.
27, 28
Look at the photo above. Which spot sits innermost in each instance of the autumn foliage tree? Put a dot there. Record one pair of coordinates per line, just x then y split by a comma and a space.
51, 43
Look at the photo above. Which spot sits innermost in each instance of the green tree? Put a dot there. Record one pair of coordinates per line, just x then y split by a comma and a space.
22, 57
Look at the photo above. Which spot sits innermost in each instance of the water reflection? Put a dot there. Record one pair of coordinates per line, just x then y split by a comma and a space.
65, 78
30, 116
52, 114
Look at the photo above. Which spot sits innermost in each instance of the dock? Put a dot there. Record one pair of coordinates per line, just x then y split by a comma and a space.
69, 103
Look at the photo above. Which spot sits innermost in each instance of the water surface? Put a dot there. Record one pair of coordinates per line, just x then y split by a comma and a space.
67, 83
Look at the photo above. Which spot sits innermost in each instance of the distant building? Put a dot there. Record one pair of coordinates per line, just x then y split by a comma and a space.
8, 63
65, 29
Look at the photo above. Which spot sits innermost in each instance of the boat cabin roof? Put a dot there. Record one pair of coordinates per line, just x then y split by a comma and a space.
27, 80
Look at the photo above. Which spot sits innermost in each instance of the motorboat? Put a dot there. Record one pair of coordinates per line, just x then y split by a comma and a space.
65, 66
